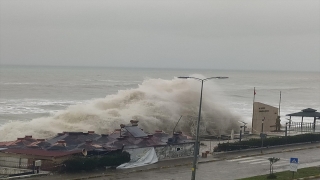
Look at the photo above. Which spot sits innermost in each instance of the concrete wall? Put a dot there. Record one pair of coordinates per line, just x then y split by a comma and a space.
7, 171
48, 163
174, 151
15, 162
266, 112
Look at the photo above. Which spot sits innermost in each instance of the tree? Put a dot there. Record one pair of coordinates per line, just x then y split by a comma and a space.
272, 160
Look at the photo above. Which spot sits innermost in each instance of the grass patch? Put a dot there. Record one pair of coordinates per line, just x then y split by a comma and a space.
304, 172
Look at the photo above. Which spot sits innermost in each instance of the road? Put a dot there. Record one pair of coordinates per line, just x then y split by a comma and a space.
226, 169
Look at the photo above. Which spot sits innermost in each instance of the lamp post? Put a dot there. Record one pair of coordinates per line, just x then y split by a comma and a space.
240, 133
286, 132
262, 135
196, 150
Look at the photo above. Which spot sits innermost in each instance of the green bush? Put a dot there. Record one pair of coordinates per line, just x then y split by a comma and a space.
91, 163
272, 141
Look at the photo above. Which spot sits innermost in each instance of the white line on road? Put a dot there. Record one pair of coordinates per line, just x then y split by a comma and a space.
281, 164
264, 161
252, 160
232, 160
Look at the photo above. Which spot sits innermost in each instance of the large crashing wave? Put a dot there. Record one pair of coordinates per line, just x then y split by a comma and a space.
156, 103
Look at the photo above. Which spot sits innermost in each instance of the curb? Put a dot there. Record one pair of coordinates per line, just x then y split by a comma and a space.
23, 176
281, 151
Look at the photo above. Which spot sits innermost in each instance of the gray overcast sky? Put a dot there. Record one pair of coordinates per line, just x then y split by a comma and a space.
246, 34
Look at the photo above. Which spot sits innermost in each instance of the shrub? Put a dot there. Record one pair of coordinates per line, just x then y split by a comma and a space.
91, 163
272, 141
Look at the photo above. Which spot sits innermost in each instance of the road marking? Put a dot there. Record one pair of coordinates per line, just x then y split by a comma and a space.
261, 160
252, 160
279, 163
264, 161
240, 159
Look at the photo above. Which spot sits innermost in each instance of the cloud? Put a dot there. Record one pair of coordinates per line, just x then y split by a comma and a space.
179, 34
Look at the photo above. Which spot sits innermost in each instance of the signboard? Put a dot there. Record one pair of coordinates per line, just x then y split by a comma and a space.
262, 135
37, 162
294, 164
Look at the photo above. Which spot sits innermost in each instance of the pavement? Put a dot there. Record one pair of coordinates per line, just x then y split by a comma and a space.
180, 162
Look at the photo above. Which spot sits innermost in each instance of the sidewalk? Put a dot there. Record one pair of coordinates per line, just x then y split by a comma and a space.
266, 150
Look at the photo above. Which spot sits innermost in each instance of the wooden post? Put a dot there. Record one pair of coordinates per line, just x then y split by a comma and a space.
314, 124
301, 123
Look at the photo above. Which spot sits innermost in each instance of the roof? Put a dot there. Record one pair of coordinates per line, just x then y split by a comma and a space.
309, 112
135, 131
68, 143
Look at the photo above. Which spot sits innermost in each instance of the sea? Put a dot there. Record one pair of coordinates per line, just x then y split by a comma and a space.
45, 100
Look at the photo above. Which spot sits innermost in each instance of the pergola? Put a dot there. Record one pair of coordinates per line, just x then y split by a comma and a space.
309, 112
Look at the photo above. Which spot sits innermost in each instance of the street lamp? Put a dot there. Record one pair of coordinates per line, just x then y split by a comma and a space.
240, 133
261, 134
196, 151
244, 129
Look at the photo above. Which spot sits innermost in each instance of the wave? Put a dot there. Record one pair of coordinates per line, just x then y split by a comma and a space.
30, 106
17, 83
156, 103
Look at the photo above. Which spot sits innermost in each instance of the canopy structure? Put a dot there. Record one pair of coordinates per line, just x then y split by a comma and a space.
309, 112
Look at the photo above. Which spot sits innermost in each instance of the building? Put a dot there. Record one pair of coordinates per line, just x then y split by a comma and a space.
24, 152
266, 115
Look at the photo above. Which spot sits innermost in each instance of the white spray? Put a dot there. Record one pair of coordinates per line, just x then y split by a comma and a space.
156, 103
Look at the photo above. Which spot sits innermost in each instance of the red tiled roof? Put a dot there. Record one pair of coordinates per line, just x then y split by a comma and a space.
8, 143
41, 152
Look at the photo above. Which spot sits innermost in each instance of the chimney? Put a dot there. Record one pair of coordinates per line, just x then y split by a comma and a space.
90, 132
20, 138
28, 137
134, 122
176, 133
62, 142
124, 136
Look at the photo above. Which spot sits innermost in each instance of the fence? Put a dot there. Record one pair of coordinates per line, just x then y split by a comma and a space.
302, 126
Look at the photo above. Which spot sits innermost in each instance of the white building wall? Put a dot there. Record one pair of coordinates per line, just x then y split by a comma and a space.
174, 151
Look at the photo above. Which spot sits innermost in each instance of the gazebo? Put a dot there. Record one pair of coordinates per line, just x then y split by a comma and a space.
309, 112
